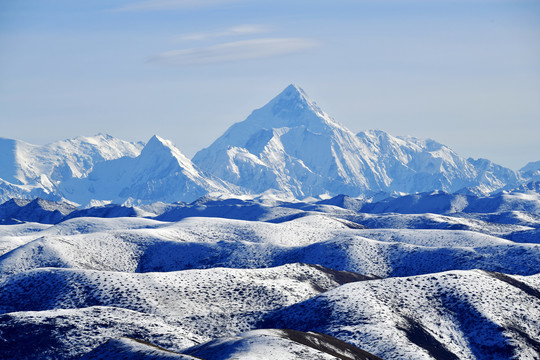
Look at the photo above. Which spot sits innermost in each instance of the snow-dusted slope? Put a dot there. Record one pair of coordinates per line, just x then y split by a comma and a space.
151, 246
66, 334
133, 349
280, 344
452, 315
160, 173
68, 288
182, 295
37, 210
437, 202
469, 222
344, 201
195, 305
31, 170
269, 344
291, 145
13, 236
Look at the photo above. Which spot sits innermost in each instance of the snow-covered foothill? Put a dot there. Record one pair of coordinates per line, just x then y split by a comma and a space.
199, 243
67, 334
450, 315
84, 308
270, 344
133, 349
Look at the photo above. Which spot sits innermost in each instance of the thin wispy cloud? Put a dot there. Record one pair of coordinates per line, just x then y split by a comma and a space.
239, 30
234, 51
156, 5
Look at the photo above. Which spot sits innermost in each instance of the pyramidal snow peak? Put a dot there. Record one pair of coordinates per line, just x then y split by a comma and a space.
293, 146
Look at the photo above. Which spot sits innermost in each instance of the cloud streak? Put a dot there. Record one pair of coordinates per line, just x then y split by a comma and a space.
234, 51
239, 30
158, 5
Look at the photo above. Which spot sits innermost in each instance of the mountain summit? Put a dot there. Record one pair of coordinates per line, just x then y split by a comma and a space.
292, 107
293, 146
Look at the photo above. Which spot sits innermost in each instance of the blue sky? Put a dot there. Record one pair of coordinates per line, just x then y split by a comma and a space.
463, 72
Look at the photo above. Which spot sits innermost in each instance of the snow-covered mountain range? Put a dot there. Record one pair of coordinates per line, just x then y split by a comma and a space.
289, 147
159, 173
31, 171
290, 237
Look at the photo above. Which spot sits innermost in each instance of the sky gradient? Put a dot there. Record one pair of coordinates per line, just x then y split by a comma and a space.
463, 72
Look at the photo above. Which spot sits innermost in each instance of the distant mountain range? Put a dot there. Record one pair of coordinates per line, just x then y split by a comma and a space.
288, 148
219, 259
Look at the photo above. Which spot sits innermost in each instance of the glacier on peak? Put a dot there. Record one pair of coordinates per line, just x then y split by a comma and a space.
30, 171
293, 146
159, 173
531, 171
289, 148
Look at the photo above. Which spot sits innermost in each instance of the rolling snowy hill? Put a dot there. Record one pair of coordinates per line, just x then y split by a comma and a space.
200, 304
141, 245
267, 344
450, 315
400, 286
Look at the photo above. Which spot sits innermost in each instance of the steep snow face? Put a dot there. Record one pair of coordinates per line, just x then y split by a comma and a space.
293, 146
290, 145
28, 170
82, 153
531, 171
22, 163
160, 173
419, 165
9, 171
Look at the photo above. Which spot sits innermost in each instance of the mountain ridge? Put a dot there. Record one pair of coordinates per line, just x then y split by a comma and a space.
289, 148
293, 146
